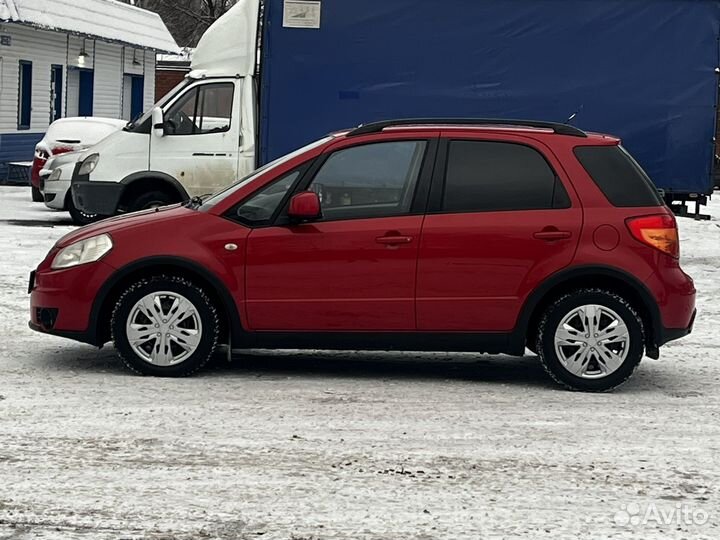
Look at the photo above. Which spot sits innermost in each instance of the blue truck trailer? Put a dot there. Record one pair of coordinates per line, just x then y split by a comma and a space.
645, 70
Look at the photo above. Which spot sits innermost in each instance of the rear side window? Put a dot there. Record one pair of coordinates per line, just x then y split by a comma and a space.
618, 176
486, 176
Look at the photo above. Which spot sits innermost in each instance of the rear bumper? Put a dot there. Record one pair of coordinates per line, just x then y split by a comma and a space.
95, 197
671, 334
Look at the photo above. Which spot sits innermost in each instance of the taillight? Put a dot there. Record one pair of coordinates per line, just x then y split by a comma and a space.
658, 231
57, 150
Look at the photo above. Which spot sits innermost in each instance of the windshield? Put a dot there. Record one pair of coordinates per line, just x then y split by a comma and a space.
138, 121
232, 188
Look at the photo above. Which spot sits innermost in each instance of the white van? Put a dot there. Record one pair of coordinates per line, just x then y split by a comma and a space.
197, 139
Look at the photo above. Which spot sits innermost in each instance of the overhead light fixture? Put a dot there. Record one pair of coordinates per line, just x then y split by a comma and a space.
83, 55
135, 61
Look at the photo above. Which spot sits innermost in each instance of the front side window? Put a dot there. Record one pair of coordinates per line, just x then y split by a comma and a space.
371, 180
205, 109
486, 176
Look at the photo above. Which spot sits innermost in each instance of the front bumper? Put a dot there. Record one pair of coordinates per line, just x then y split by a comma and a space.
55, 194
62, 301
94, 197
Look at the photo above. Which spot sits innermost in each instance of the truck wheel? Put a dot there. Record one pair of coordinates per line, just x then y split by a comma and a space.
37, 195
78, 216
165, 326
590, 340
152, 199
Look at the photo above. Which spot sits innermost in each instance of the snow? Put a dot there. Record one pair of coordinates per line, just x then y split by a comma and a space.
106, 19
281, 445
80, 132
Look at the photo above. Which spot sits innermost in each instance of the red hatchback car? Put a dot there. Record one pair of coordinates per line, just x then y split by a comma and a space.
426, 234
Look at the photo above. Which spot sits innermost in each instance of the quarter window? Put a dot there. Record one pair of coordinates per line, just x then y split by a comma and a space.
259, 209
371, 180
486, 176
204, 109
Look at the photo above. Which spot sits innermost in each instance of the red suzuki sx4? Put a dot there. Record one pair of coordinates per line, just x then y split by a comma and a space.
490, 236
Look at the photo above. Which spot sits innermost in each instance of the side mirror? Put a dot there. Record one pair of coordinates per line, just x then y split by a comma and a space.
305, 206
158, 122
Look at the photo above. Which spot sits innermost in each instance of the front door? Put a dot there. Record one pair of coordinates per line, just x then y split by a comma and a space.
353, 270
202, 132
502, 218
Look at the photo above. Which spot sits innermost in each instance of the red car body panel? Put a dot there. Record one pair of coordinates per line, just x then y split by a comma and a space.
425, 272
333, 276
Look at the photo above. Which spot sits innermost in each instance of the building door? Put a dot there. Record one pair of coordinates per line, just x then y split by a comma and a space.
56, 92
85, 99
136, 95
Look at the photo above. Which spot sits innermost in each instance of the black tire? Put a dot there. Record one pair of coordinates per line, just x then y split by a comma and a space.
561, 307
152, 199
78, 216
37, 195
204, 308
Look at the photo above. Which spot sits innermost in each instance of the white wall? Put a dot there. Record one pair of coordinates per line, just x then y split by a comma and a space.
108, 80
43, 49
149, 79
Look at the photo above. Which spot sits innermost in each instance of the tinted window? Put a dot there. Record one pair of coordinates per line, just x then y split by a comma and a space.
484, 176
618, 176
204, 109
261, 206
371, 180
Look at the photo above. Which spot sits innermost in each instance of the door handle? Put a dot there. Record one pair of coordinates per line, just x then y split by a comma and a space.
394, 239
552, 233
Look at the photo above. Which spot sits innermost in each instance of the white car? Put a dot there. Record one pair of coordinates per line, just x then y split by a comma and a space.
55, 180
68, 135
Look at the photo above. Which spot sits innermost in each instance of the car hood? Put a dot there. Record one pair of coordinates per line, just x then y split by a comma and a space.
143, 218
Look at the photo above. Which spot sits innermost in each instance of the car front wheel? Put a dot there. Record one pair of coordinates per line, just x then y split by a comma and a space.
590, 340
165, 326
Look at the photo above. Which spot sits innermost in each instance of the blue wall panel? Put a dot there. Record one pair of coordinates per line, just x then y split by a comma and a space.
16, 147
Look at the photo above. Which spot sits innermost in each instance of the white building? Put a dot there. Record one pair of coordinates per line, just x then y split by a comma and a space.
62, 58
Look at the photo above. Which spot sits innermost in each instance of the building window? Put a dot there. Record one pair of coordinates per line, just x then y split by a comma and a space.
25, 97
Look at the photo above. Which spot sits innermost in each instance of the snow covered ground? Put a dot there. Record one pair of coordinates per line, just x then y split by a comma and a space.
291, 445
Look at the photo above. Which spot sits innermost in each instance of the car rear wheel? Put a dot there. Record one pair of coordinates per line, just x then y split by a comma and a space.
590, 340
37, 195
165, 326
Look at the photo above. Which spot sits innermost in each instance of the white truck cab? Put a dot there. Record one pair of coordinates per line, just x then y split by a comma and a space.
197, 139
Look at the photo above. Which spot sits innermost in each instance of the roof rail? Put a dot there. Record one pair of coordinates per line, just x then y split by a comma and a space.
377, 127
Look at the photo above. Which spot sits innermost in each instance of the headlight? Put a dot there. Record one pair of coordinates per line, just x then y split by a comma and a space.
89, 164
84, 251
55, 175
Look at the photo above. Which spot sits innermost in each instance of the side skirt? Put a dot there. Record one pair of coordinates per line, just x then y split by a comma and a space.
384, 341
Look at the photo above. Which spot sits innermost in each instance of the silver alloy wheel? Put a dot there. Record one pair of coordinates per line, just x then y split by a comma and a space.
164, 328
592, 341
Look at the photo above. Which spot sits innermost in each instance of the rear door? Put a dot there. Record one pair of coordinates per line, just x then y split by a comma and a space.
502, 217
